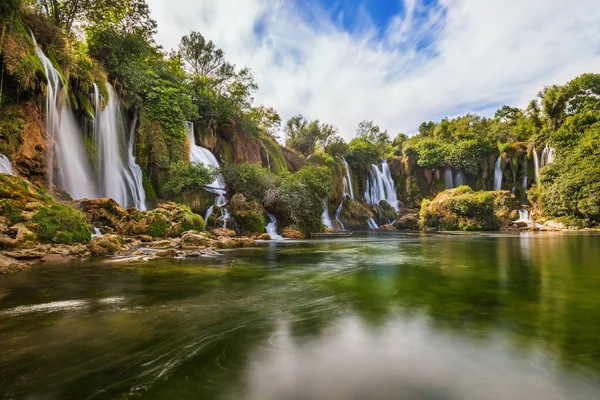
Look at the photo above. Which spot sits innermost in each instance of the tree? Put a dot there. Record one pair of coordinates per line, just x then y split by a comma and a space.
304, 135
188, 178
372, 132
203, 58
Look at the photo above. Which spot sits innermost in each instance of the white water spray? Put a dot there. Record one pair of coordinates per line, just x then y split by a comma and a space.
523, 215
448, 181
372, 224
348, 187
325, 217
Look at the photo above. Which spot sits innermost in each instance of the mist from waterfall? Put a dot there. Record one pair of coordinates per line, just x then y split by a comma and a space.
498, 174
380, 186
119, 176
66, 150
5, 165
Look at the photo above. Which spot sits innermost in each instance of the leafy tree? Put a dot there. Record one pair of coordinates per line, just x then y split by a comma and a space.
204, 59
304, 135
248, 179
188, 178
372, 133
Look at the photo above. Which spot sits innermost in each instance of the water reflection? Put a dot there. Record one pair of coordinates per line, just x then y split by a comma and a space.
444, 316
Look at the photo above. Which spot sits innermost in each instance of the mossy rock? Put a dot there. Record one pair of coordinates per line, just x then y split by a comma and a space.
467, 210
61, 224
248, 215
354, 215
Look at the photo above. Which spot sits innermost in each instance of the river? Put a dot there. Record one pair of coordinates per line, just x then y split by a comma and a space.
376, 316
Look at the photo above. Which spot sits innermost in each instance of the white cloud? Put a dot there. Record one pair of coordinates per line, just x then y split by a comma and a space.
483, 52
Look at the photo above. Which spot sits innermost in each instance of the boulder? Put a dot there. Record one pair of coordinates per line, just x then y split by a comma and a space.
164, 244
106, 245
408, 221
232, 243
554, 225
223, 232
263, 236
9, 264
290, 233
195, 240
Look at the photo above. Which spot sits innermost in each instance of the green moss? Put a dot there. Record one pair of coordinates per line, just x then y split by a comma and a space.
85, 105
12, 124
158, 227
62, 224
191, 221
148, 189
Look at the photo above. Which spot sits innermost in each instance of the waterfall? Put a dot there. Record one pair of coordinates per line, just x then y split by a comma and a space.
380, 186
372, 224
96, 233
200, 155
272, 228
523, 215
536, 166
5, 165
208, 213
338, 212
119, 180
348, 187
498, 174
459, 178
267, 152
325, 217
66, 148
448, 184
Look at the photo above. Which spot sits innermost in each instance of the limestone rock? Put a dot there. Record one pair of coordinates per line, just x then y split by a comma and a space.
106, 245
263, 236
9, 264
408, 221
222, 232
164, 244
554, 225
290, 233
195, 240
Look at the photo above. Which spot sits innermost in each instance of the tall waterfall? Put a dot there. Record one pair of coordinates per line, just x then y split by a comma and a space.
325, 217
5, 165
66, 148
272, 228
498, 174
380, 186
120, 179
338, 212
200, 155
525, 178
267, 153
348, 187
545, 158
448, 181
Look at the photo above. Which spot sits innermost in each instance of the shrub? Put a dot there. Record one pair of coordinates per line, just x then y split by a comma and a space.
248, 215
248, 179
62, 224
186, 178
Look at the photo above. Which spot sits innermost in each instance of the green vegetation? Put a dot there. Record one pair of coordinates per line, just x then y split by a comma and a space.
467, 210
186, 178
62, 224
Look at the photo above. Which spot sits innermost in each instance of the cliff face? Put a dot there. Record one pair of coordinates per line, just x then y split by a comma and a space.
23, 139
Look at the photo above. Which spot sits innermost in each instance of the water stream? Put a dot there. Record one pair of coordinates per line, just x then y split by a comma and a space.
5, 165
498, 174
380, 186
271, 228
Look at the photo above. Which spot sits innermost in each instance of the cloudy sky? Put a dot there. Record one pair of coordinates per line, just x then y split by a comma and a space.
396, 62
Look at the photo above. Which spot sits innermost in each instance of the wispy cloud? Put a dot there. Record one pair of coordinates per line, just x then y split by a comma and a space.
447, 58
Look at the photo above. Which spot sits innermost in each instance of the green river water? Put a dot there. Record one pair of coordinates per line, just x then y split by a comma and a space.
375, 316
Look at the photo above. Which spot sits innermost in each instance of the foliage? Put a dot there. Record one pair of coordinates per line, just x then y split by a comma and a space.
248, 179
248, 215
304, 136
62, 224
570, 185
464, 209
186, 178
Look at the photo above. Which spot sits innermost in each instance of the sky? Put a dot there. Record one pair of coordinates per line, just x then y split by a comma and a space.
395, 62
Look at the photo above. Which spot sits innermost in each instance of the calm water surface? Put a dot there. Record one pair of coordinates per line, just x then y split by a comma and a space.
384, 316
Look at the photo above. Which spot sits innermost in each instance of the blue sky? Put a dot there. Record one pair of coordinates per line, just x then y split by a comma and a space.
398, 62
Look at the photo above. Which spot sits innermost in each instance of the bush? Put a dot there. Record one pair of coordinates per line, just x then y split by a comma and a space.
248, 215
464, 209
186, 178
62, 224
248, 179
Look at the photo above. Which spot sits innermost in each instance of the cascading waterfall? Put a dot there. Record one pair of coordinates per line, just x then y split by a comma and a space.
325, 217
459, 178
380, 186
267, 153
448, 182
66, 149
272, 228
5, 165
523, 215
372, 224
200, 155
545, 158
498, 174
337, 214
119, 180
348, 187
